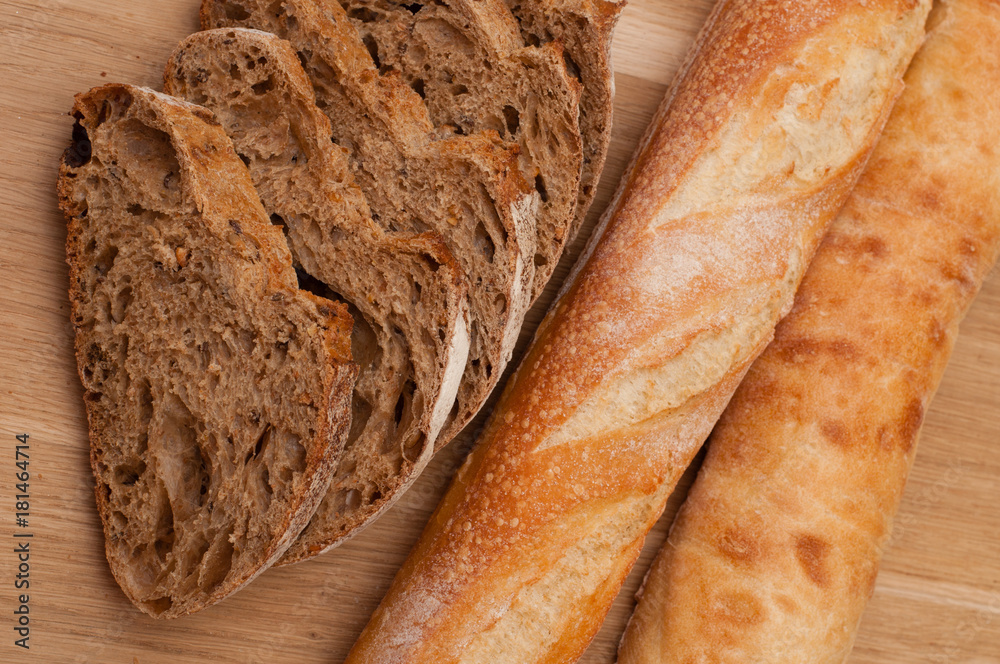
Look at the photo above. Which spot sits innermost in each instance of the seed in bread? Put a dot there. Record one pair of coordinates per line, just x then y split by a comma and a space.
217, 393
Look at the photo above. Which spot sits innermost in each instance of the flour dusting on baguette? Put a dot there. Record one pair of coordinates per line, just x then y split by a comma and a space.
792, 510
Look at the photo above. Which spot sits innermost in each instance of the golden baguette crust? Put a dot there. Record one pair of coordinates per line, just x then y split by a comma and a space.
774, 555
632, 367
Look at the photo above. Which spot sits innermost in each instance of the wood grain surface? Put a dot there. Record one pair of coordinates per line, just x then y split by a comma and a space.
937, 598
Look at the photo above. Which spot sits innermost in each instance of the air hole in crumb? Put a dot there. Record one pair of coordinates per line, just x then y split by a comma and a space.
135, 210
363, 14
484, 243
235, 73
158, 606
235, 12
353, 499
80, 150
263, 87
104, 113
500, 302
245, 159
571, 66
413, 8
106, 260
540, 187
265, 479
121, 302
541, 260
128, 474
376, 496
262, 442
512, 118
418, 87
414, 447
372, 50
459, 89
400, 406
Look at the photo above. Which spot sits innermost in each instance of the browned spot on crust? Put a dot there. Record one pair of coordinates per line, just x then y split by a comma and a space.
835, 432
739, 546
929, 199
909, 425
873, 246
860, 247
958, 272
938, 333
811, 552
739, 609
793, 350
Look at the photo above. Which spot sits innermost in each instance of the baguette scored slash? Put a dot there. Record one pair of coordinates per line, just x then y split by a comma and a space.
774, 554
411, 334
217, 393
754, 150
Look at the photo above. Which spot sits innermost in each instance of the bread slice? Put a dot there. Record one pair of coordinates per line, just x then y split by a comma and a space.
584, 28
411, 334
468, 61
468, 188
218, 393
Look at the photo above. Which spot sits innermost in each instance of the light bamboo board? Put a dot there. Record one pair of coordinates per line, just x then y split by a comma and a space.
937, 599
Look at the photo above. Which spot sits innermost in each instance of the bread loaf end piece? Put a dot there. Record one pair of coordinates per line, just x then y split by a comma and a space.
467, 188
217, 393
774, 555
634, 364
411, 331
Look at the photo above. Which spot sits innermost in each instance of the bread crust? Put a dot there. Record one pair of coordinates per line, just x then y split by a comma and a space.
631, 368
774, 555
214, 190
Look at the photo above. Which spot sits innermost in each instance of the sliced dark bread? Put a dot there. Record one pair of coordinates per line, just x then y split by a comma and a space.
584, 28
468, 188
468, 61
217, 393
411, 335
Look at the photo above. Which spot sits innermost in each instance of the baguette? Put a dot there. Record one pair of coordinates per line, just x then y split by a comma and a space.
217, 393
774, 554
745, 164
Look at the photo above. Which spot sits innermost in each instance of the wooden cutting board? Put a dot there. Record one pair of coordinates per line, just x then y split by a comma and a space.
937, 599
